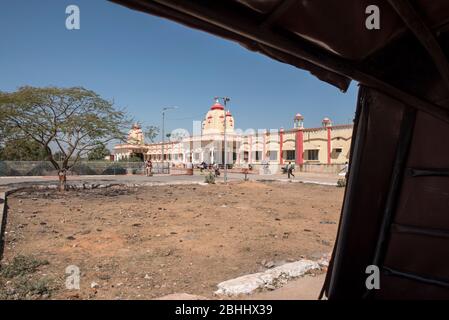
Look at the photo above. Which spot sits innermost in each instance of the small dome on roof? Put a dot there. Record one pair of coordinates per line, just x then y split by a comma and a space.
326, 122
299, 116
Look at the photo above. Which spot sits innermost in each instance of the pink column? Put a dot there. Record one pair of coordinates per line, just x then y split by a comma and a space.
281, 145
329, 147
250, 154
299, 147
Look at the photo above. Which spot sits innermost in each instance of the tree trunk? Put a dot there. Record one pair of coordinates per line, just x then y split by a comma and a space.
62, 180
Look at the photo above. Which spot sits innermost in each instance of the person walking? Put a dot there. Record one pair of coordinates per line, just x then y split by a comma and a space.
216, 169
290, 170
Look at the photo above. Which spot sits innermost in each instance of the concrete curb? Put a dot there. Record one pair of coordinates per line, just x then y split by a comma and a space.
333, 184
3, 216
2, 222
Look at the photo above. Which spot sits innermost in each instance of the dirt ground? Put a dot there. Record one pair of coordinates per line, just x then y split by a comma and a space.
143, 243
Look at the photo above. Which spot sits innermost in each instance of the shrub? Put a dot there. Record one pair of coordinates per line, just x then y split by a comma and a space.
41, 169
114, 169
6, 170
209, 178
341, 183
83, 169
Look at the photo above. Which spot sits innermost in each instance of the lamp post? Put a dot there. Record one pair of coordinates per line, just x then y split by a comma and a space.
163, 130
225, 174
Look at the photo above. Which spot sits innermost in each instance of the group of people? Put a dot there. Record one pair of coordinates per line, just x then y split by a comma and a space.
216, 168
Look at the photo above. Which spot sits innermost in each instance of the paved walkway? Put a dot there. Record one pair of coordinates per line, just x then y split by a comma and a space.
126, 179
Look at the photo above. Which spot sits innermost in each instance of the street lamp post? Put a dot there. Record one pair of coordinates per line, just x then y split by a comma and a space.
163, 131
225, 174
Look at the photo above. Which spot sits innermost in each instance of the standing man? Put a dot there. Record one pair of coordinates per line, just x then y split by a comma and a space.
150, 167
265, 166
145, 167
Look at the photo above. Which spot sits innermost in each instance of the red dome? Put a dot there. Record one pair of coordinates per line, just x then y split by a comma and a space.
228, 114
217, 106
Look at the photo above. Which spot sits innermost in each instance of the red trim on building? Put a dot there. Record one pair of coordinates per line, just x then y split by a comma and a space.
281, 144
329, 147
250, 149
299, 160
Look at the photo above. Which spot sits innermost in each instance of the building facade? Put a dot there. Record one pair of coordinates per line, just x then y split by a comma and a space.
328, 144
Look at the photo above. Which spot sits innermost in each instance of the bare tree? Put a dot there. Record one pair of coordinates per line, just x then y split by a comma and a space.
151, 132
67, 121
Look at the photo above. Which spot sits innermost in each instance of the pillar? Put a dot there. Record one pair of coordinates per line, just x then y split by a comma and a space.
281, 146
250, 154
264, 148
329, 146
299, 160
238, 150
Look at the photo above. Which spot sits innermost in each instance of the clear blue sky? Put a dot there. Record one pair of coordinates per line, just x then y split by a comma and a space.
144, 63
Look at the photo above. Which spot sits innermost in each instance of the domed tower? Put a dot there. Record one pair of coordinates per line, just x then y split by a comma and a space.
135, 135
214, 120
298, 121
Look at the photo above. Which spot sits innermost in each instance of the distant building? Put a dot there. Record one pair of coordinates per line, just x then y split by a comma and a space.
329, 144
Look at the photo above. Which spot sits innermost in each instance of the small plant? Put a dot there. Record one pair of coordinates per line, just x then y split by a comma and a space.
21, 288
21, 265
209, 178
19, 281
341, 183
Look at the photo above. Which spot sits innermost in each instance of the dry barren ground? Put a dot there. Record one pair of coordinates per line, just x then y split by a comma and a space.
142, 243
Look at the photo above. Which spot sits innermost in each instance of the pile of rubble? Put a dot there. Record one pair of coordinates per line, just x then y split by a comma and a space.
272, 278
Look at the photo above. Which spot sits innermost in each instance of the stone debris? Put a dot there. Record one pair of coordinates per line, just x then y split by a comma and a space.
324, 260
269, 279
